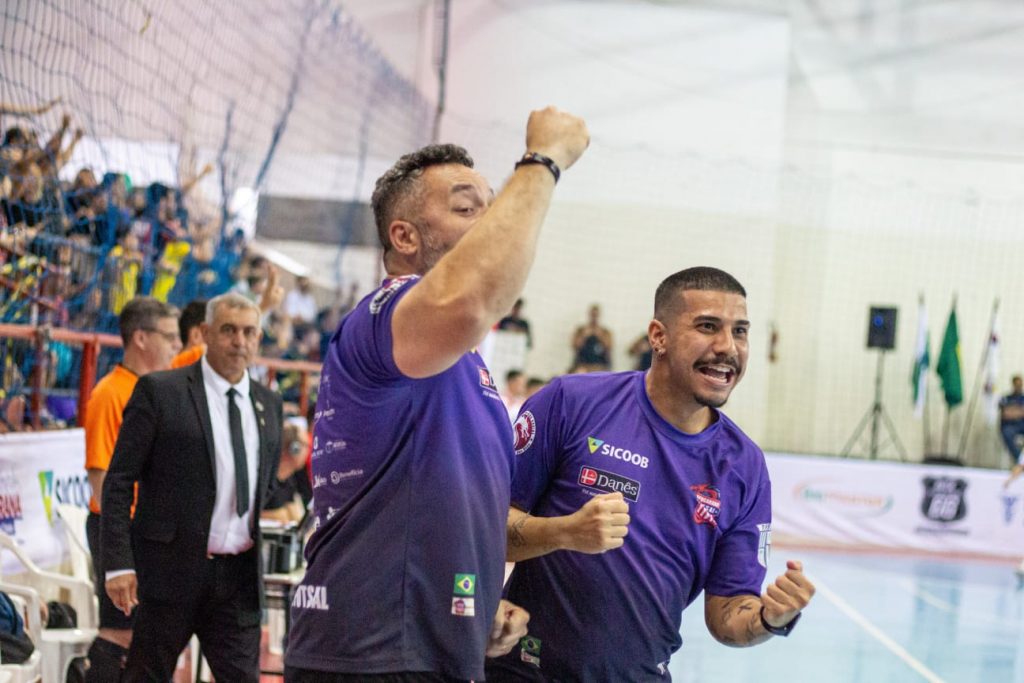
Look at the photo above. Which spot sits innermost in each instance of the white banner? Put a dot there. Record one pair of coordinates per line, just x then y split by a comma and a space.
37, 471
870, 504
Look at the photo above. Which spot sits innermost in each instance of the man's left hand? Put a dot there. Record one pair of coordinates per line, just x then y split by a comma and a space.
790, 593
508, 628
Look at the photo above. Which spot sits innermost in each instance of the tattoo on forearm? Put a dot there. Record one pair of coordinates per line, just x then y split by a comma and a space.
515, 533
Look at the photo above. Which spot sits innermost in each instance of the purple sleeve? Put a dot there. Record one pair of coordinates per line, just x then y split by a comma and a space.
741, 555
366, 337
538, 445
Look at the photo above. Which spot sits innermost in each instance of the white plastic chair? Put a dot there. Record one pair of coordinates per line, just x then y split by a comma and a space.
57, 647
30, 671
73, 519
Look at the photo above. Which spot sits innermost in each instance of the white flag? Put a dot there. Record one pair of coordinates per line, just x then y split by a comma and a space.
919, 377
990, 396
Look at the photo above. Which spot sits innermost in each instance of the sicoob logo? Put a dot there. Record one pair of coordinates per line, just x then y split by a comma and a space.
525, 430
609, 482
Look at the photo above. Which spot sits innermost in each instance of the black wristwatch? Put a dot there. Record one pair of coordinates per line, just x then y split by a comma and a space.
779, 630
534, 158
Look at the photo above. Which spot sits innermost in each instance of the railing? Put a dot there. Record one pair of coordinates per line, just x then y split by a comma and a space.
39, 354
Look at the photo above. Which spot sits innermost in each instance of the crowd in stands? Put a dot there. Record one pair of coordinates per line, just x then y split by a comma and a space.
74, 252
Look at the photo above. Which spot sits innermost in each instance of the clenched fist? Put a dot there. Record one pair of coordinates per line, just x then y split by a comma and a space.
600, 525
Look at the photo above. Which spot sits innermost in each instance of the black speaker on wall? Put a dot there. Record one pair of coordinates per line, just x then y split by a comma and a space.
882, 328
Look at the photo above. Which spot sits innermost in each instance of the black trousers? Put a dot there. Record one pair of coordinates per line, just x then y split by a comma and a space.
225, 617
293, 675
110, 616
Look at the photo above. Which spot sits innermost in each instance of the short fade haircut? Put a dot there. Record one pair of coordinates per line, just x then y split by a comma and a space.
192, 315
704, 278
141, 313
231, 300
400, 182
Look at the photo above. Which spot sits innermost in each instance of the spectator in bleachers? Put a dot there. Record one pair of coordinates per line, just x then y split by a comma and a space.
123, 266
287, 502
640, 350
300, 304
592, 344
330, 316
515, 322
1011, 420
149, 331
515, 392
190, 329
533, 385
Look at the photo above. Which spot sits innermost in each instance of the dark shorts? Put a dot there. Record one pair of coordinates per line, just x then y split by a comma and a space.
110, 616
293, 675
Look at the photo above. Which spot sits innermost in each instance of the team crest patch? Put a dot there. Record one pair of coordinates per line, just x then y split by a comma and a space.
709, 504
525, 429
463, 607
486, 381
387, 291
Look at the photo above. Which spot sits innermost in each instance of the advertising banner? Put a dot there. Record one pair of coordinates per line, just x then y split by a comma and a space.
887, 505
38, 470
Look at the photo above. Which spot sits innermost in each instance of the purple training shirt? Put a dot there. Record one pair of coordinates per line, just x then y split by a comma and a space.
411, 493
700, 513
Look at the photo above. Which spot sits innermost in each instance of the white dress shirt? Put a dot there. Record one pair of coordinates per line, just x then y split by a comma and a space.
229, 533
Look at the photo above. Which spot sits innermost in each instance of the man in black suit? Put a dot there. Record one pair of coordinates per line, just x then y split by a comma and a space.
203, 443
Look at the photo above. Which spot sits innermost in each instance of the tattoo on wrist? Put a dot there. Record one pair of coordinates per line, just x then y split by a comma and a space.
515, 533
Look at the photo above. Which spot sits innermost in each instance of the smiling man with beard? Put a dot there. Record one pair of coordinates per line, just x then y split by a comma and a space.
644, 465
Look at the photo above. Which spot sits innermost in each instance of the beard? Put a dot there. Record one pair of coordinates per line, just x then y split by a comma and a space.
432, 251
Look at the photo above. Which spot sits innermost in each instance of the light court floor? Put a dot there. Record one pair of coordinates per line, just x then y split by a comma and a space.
878, 619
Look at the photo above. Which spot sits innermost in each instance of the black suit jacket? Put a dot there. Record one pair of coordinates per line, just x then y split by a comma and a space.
166, 445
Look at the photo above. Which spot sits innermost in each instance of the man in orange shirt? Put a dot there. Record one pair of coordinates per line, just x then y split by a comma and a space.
192, 316
149, 331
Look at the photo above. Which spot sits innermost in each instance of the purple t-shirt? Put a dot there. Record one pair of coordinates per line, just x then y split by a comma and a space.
700, 510
410, 495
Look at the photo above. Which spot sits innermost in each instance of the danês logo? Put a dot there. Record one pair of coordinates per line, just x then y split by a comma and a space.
311, 597
611, 451
525, 429
709, 504
609, 482
486, 381
385, 293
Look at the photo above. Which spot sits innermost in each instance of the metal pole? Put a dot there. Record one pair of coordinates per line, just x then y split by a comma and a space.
876, 409
442, 67
979, 378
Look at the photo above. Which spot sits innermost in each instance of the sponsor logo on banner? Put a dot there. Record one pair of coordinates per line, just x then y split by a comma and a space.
73, 490
709, 504
847, 499
943, 502
465, 584
463, 607
623, 454
609, 482
764, 544
525, 430
385, 293
10, 501
311, 597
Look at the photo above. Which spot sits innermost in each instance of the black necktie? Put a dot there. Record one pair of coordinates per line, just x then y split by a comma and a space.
238, 446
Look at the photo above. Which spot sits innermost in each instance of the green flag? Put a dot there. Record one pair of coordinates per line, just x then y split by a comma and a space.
948, 365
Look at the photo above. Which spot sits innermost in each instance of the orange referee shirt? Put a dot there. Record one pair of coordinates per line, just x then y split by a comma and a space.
188, 356
103, 416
